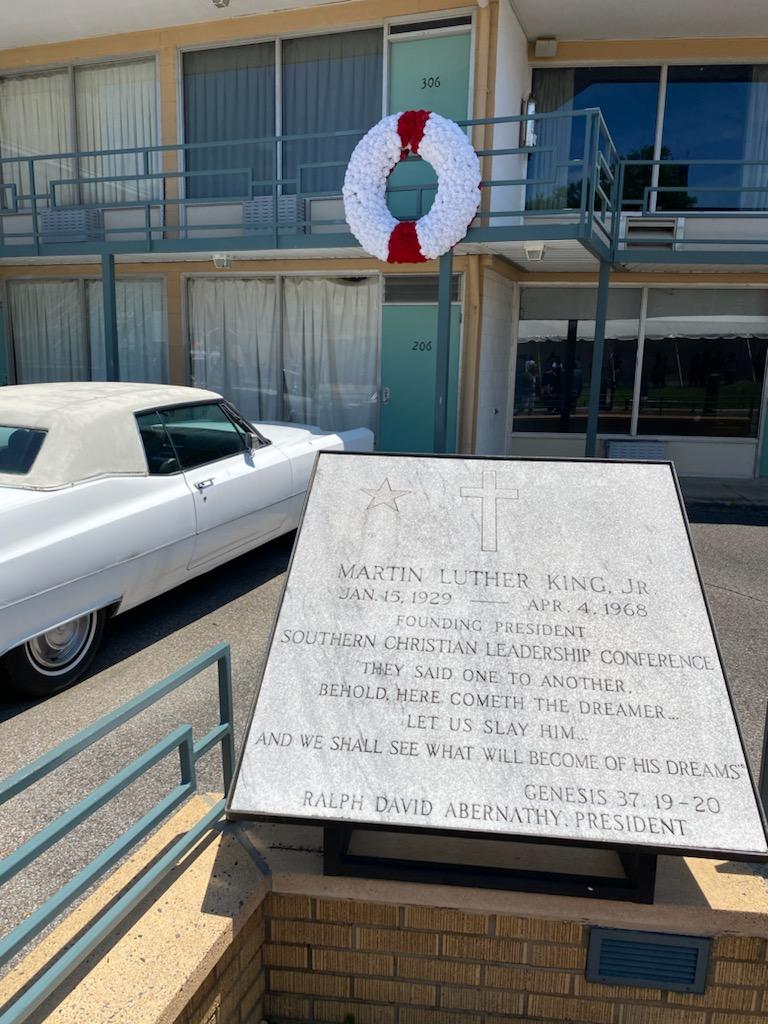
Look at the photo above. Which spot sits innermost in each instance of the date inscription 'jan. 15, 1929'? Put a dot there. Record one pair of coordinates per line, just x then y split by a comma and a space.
517, 647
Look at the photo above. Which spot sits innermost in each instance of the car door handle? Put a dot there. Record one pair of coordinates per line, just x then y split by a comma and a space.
202, 484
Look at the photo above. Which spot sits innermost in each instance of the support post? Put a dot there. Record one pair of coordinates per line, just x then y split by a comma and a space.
443, 354
598, 352
109, 302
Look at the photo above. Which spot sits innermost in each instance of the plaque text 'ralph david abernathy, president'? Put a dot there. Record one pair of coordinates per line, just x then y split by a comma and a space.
516, 647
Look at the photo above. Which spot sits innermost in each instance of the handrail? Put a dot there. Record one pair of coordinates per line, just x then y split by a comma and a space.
173, 196
190, 752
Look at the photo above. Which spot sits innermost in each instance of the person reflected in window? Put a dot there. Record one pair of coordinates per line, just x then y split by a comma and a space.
528, 386
551, 385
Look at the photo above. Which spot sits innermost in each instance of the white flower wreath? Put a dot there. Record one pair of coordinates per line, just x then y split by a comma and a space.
445, 146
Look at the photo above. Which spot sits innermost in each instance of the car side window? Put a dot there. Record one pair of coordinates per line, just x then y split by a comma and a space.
201, 434
161, 457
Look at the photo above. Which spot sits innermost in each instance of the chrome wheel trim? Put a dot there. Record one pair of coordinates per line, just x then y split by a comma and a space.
62, 648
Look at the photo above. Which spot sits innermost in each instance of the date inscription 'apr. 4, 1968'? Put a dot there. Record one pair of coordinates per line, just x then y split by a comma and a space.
514, 647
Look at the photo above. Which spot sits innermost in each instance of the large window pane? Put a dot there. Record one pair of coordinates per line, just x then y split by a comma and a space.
331, 83
331, 352
141, 330
229, 94
704, 362
628, 99
233, 342
117, 109
716, 113
49, 332
554, 360
36, 119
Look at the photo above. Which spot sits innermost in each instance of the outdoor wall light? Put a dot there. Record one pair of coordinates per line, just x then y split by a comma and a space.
221, 260
220, 3
534, 251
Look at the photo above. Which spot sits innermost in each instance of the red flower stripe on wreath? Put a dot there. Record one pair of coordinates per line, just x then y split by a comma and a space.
404, 244
439, 142
410, 128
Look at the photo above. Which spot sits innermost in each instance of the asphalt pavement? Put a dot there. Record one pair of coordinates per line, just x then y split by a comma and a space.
236, 604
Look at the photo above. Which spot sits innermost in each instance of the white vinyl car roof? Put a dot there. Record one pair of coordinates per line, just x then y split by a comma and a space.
91, 429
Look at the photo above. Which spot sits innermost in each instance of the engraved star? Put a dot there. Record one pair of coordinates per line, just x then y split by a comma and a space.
384, 495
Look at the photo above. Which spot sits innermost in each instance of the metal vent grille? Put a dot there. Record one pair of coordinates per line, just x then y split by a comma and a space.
71, 224
677, 963
259, 214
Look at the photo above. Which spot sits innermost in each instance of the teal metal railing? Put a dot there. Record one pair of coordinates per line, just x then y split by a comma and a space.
719, 209
545, 175
190, 752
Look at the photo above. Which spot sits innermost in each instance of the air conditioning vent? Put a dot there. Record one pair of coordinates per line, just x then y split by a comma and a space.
676, 963
71, 224
259, 214
650, 232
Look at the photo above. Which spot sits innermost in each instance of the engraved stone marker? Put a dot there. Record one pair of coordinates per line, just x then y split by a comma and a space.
512, 647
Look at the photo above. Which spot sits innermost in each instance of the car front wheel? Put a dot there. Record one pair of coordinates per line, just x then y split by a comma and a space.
55, 659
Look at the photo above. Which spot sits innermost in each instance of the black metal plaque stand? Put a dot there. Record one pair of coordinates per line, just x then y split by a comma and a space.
637, 885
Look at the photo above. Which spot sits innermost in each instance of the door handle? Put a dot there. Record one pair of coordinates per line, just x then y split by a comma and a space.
202, 484
385, 393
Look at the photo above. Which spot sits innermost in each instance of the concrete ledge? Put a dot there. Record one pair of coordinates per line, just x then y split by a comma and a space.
162, 954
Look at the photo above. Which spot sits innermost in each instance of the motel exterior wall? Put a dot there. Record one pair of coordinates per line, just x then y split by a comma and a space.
502, 62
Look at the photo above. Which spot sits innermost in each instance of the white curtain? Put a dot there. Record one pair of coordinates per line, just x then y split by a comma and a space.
756, 142
117, 109
330, 351
233, 342
36, 120
141, 330
49, 334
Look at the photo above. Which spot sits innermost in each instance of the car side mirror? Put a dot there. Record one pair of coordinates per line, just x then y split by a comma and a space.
252, 441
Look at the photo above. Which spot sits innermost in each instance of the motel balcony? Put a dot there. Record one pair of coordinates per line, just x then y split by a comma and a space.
556, 196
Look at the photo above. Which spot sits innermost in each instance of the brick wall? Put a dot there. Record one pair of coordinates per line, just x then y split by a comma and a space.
390, 964
233, 992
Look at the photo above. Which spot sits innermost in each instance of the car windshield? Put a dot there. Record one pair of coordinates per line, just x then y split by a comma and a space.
18, 448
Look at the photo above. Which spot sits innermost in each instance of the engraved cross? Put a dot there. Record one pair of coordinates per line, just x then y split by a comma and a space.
489, 497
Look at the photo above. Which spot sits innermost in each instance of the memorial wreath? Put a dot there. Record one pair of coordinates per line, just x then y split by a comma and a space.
441, 143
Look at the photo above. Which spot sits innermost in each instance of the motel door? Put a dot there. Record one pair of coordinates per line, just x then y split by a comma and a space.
408, 362
426, 72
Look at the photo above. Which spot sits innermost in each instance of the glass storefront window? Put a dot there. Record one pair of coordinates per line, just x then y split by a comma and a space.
715, 113
554, 360
628, 98
704, 362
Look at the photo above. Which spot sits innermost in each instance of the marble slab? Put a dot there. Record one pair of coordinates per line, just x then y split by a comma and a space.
517, 647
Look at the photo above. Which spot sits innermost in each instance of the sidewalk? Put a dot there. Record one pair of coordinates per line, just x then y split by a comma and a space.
705, 490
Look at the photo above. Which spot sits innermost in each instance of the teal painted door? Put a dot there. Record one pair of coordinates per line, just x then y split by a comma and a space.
426, 74
408, 353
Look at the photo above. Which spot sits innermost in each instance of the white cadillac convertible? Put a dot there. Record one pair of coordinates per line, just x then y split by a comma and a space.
113, 493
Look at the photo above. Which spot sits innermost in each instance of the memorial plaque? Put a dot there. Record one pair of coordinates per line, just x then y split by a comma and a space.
501, 647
